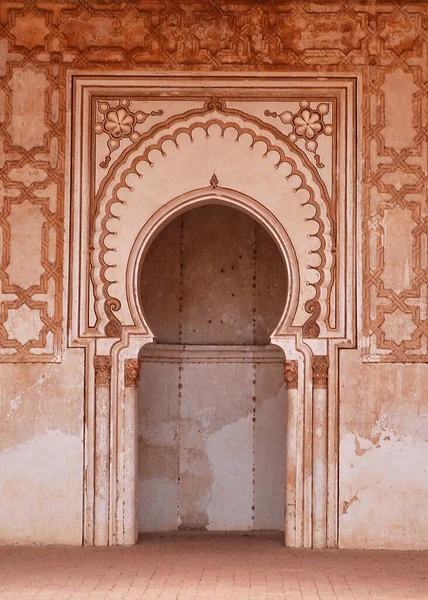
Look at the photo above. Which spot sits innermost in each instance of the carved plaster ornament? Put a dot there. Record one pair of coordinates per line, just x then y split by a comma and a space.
120, 123
132, 372
267, 157
307, 124
184, 126
102, 366
396, 66
214, 181
291, 374
311, 329
320, 371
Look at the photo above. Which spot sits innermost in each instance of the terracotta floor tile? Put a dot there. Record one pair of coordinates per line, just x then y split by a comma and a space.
210, 568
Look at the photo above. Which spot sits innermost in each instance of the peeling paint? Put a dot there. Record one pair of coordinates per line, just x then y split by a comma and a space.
41, 451
347, 504
392, 470
383, 455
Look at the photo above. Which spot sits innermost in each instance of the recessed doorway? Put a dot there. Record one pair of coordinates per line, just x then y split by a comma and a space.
212, 400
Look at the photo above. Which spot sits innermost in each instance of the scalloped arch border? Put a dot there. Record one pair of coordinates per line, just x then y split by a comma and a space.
111, 305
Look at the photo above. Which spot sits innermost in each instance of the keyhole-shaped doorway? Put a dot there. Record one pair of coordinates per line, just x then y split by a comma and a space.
212, 400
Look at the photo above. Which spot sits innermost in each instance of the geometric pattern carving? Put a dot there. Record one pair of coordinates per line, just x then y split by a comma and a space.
383, 43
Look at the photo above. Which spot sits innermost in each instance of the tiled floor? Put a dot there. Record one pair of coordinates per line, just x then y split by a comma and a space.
183, 567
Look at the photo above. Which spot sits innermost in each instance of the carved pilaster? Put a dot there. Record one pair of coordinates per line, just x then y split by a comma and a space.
291, 374
132, 372
102, 366
320, 371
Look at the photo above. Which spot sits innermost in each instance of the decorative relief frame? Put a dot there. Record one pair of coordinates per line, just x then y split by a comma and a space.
386, 43
117, 206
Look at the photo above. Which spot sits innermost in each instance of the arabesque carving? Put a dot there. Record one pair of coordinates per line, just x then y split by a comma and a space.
320, 371
368, 40
132, 372
308, 124
102, 367
166, 133
120, 122
291, 374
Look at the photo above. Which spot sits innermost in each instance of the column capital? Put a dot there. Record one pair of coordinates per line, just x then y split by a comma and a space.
320, 371
291, 374
132, 372
102, 366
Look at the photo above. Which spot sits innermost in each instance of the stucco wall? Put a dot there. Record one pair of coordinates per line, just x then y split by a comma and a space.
383, 455
41, 452
383, 481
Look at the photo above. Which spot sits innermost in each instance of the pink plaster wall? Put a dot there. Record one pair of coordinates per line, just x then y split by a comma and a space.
41, 452
383, 454
383, 407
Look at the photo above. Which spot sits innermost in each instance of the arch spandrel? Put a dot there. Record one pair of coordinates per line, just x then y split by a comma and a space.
245, 158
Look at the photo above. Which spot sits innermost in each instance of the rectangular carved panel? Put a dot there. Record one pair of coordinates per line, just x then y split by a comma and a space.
32, 163
25, 242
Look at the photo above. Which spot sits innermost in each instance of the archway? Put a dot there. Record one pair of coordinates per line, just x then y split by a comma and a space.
213, 138
212, 401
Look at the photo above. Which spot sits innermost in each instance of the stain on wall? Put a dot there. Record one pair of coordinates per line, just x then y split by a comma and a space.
211, 438
41, 452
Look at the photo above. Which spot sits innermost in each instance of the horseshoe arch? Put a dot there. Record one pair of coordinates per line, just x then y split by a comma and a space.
198, 152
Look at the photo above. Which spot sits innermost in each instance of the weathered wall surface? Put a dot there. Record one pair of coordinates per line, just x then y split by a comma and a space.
212, 413
41, 452
383, 455
386, 44
212, 439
